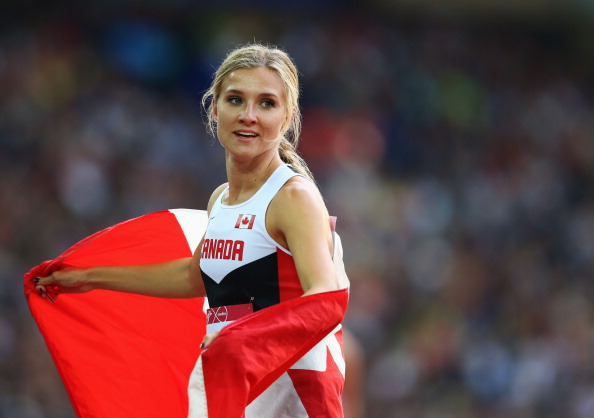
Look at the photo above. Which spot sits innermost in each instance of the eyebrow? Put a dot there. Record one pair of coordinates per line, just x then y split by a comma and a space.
240, 92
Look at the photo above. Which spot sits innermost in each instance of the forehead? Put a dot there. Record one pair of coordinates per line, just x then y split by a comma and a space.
259, 80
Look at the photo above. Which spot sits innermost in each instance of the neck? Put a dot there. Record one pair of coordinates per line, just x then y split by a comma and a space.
246, 178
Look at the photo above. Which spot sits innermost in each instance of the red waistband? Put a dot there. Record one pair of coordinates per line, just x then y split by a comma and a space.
228, 313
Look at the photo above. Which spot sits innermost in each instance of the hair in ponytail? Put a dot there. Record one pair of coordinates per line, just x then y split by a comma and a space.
256, 55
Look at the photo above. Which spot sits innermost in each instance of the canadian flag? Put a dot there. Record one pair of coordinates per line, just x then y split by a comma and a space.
122, 355
245, 221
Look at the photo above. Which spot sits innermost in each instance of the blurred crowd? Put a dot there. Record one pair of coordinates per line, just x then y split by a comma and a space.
459, 160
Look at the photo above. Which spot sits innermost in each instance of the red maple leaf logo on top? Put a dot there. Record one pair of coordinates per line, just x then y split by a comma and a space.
245, 221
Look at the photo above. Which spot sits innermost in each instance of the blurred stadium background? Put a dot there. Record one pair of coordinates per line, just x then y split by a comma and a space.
454, 139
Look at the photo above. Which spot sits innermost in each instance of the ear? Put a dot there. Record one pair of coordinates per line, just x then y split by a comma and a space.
288, 119
215, 111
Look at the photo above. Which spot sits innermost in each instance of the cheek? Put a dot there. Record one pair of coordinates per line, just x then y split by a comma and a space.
281, 123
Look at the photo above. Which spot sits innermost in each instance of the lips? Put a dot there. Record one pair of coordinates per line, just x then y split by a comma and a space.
245, 135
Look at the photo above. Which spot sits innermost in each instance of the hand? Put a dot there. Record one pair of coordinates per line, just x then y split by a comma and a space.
208, 339
64, 281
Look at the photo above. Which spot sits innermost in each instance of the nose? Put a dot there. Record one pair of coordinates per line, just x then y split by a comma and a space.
247, 115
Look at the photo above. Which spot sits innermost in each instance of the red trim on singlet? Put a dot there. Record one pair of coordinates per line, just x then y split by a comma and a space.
332, 221
289, 284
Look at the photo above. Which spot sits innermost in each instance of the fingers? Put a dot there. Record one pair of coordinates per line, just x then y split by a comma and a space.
47, 292
208, 339
45, 289
44, 281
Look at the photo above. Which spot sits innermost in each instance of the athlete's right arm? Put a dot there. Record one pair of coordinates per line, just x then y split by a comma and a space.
180, 278
170, 279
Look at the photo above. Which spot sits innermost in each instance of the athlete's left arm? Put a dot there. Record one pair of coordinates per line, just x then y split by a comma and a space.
301, 221
298, 220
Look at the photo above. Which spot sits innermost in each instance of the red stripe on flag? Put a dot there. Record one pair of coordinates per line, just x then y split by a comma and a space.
118, 353
320, 392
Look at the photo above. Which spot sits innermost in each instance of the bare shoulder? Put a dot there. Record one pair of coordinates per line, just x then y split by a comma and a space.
301, 191
215, 195
299, 198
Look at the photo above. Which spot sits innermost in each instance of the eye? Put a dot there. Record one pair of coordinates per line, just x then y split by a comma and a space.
234, 100
268, 103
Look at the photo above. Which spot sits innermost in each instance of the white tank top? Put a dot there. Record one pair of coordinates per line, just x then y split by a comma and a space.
240, 262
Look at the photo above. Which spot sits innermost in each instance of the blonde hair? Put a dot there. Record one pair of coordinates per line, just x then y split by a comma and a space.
253, 56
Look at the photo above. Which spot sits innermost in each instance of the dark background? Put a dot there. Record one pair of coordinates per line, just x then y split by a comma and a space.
454, 140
